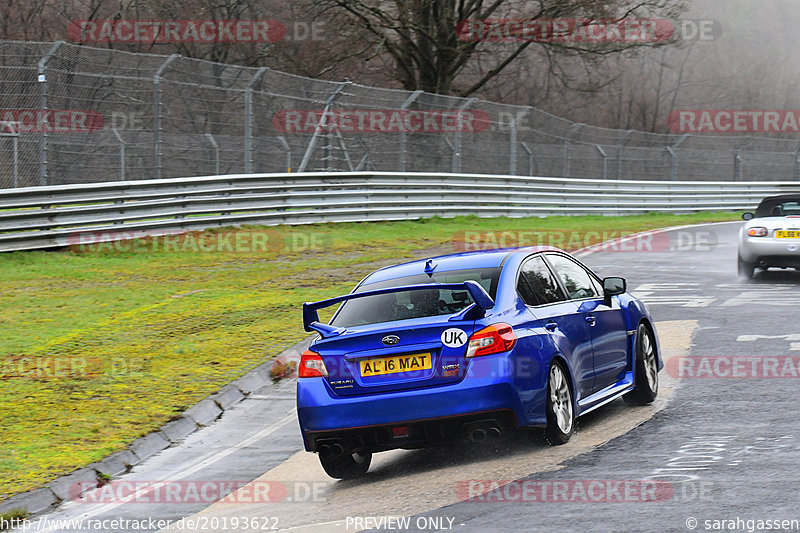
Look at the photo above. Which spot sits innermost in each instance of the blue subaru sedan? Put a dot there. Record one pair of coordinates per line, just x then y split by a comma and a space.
469, 346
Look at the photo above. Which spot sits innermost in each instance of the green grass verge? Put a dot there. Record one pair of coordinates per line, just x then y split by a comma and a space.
13, 519
141, 336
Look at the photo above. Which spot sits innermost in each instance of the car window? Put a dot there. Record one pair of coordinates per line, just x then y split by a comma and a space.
576, 280
537, 285
525, 292
414, 304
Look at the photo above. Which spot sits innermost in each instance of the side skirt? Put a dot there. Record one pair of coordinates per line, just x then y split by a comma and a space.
609, 394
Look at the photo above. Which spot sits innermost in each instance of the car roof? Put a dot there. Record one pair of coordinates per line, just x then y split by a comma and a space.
769, 202
782, 198
458, 261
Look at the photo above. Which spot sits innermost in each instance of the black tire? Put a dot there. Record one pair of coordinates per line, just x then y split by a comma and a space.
560, 410
745, 269
645, 369
346, 466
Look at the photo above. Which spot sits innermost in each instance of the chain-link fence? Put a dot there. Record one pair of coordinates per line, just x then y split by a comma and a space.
169, 116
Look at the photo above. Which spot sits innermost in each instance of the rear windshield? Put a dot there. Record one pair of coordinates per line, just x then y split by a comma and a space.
414, 304
772, 208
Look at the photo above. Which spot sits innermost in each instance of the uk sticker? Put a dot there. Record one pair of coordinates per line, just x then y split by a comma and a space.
454, 338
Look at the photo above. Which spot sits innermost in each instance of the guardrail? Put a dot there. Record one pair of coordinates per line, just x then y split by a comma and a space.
50, 217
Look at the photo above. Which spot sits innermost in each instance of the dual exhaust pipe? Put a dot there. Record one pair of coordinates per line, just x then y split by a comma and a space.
333, 449
483, 432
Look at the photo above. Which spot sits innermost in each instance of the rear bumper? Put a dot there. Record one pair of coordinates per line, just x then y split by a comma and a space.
771, 251
488, 388
416, 433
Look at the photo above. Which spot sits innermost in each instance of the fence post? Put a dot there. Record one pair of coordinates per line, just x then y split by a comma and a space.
366, 161
213, 142
248, 120
530, 157
457, 153
343, 148
452, 149
403, 156
13, 132
621, 145
121, 154
328, 151
512, 149
15, 147
157, 112
673, 154
567, 143
318, 129
605, 163
737, 161
288, 153
42, 79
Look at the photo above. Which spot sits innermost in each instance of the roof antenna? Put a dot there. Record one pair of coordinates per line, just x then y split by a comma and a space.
430, 266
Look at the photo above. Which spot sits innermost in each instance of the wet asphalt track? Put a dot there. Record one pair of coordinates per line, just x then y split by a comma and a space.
724, 449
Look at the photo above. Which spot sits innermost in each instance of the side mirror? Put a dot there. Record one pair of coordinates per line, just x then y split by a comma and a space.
748, 216
613, 287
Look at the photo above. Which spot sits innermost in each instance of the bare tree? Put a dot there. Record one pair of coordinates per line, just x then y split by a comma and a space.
21, 19
429, 52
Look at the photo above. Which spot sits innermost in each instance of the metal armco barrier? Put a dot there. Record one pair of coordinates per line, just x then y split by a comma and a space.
54, 216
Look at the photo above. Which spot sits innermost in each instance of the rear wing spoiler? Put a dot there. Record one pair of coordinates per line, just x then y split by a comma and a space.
311, 317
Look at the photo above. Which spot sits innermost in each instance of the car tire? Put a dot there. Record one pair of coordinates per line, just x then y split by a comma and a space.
645, 369
746, 270
560, 411
346, 466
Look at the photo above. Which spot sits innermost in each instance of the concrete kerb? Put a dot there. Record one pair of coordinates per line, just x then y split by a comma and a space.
149, 445
204, 412
64, 486
201, 414
117, 463
34, 501
228, 396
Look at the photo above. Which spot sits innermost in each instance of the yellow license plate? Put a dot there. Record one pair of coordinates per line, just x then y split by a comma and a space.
786, 234
397, 363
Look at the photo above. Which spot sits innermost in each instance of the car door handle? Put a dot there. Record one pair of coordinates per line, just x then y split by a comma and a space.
591, 320
551, 326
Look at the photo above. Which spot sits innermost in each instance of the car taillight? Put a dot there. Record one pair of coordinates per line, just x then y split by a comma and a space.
497, 338
312, 366
757, 232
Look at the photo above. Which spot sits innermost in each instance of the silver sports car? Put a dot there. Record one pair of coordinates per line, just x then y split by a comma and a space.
770, 237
